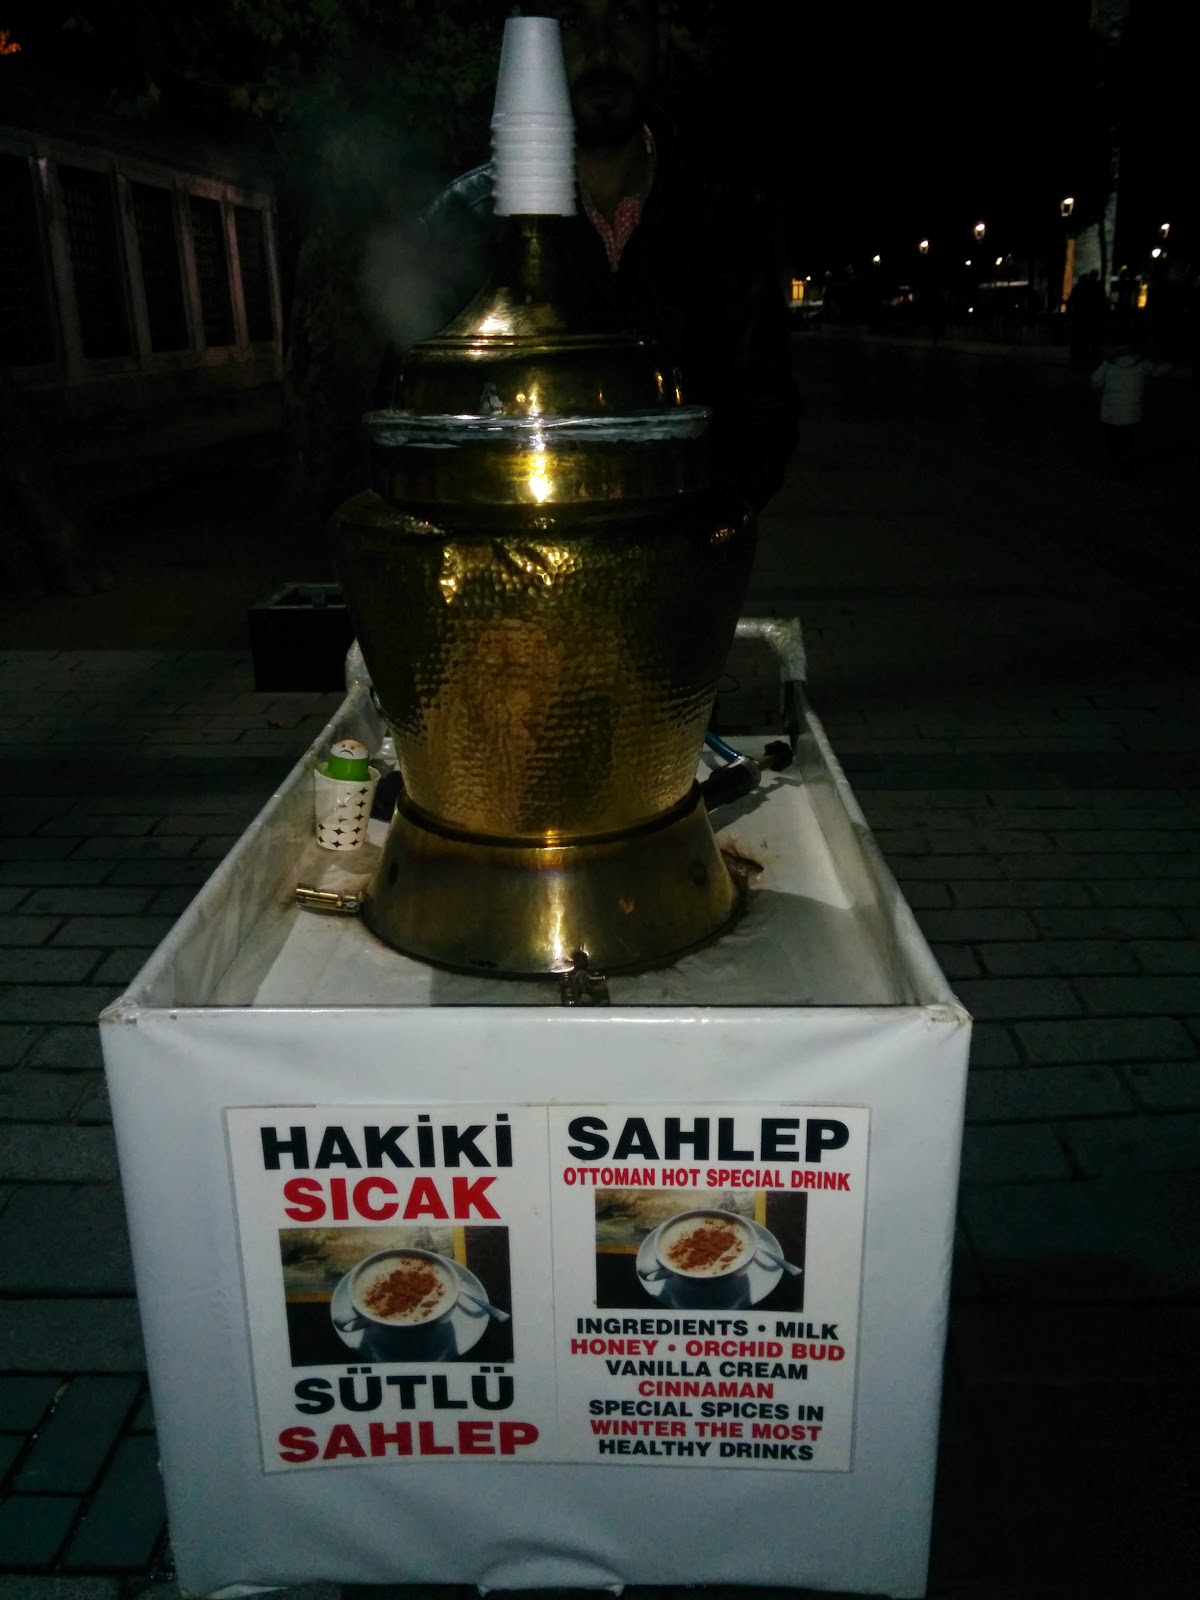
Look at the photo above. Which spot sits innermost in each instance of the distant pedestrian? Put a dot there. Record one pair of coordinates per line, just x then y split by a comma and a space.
1120, 381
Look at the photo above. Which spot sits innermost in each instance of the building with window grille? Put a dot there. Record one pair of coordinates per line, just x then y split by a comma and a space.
131, 280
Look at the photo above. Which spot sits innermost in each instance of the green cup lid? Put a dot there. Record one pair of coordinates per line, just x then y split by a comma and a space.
348, 760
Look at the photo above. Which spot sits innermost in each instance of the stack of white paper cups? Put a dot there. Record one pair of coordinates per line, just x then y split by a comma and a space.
533, 132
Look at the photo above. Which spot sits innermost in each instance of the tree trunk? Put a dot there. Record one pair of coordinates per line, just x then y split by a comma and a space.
332, 366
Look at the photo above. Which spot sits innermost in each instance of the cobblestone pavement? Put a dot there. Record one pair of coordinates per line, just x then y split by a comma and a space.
1005, 687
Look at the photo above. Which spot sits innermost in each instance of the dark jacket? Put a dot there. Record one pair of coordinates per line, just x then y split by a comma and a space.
698, 274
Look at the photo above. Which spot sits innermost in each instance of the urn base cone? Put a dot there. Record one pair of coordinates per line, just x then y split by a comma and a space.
494, 907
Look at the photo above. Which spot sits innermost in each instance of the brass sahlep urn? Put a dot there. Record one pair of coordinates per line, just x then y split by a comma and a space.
545, 585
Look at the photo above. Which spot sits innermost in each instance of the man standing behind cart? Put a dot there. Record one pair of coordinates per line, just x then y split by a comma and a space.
667, 240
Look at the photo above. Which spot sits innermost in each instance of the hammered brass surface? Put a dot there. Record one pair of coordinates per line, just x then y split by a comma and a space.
525, 910
545, 589
546, 676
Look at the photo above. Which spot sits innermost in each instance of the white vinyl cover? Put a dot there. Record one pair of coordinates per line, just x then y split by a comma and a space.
826, 995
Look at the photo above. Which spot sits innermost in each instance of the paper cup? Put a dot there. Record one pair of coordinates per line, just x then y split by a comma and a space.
557, 142
528, 201
532, 124
533, 133
532, 75
527, 186
539, 173
524, 148
342, 810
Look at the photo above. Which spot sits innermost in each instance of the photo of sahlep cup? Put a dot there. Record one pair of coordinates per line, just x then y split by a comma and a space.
705, 1245
404, 1288
744, 1248
421, 1292
705, 1254
402, 1300
703, 1258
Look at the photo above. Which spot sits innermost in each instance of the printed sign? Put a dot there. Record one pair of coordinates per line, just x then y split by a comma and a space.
706, 1283
396, 1265
562, 1283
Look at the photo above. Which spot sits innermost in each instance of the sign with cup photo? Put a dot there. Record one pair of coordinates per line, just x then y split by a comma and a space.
707, 1283
702, 1269
396, 1266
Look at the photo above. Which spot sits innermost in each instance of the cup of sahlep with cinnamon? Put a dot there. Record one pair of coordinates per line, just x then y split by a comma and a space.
403, 1300
703, 1257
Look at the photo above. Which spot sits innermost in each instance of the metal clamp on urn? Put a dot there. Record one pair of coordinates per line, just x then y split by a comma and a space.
545, 585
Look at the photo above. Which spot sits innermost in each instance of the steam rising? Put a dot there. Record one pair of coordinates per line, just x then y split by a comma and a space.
400, 291
364, 187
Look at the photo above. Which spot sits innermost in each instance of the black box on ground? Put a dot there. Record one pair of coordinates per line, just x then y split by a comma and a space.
299, 638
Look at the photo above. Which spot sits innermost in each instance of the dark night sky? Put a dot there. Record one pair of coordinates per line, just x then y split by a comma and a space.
908, 103
890, 126
880, 126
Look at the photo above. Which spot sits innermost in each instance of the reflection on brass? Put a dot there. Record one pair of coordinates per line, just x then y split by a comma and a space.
449, 461
524, 347
545, 588
488, 906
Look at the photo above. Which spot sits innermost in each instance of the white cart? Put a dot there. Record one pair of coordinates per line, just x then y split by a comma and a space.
282, 1087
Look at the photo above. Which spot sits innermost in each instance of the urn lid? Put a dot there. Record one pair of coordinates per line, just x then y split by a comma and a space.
526, 398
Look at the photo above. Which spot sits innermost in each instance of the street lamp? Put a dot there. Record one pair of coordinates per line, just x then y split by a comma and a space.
923, 247
1165, 229
979, 230
875, 260
1065, 207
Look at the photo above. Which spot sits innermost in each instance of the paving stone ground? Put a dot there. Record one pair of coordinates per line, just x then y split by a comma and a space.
1007, 691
